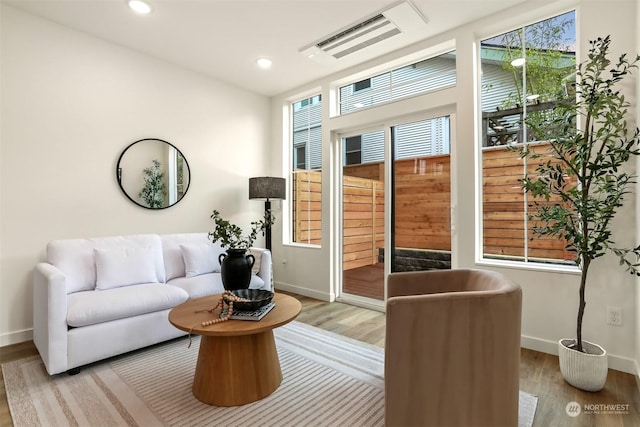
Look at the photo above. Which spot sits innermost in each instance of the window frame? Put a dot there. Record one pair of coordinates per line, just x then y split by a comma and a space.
481, 259
306, 101
412, 61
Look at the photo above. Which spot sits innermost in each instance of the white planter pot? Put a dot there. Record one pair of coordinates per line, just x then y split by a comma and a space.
586, 371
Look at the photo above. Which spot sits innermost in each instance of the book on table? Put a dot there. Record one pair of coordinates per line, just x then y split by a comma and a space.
250, 315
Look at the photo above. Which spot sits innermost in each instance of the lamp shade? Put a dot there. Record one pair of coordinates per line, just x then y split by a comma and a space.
267, 187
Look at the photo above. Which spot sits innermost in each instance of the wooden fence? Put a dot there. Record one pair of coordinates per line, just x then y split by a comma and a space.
363, 221
422, 203
422, 200
307, 199
503, 208
422, 210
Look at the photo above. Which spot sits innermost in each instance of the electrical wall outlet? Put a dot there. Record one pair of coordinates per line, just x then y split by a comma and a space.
614, 316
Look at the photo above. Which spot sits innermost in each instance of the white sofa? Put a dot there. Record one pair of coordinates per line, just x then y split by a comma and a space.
100, 297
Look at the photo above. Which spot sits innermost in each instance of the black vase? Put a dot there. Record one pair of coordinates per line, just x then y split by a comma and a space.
235, 268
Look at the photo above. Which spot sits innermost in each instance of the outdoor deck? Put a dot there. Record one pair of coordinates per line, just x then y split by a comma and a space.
367, 281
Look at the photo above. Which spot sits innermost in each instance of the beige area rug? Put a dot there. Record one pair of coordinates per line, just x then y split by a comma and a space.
329, 380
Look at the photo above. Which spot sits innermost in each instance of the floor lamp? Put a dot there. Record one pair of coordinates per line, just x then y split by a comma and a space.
267, 188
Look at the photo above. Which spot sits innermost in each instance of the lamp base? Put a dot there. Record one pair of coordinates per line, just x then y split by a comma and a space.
267, 231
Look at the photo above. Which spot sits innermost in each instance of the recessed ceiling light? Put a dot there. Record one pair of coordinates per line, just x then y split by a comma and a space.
264, 63
518, 62
140, 6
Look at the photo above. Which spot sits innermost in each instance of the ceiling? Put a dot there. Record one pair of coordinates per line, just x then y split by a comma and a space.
223, 38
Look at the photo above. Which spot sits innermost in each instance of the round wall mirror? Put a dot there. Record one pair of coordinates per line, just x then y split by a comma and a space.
153, 173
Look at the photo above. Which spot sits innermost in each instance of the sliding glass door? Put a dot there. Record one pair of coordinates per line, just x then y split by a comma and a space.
413, 205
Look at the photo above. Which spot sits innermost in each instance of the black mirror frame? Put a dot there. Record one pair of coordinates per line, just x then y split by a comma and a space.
119, 174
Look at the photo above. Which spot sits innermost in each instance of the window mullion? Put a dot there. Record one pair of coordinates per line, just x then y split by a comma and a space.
525, 140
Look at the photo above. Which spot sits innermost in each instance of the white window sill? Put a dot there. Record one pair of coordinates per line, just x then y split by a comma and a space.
302, 245
521, 265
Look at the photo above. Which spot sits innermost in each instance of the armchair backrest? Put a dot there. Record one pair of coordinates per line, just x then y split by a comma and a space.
452, 350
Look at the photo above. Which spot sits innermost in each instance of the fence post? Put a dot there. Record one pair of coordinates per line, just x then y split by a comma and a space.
298, 211
374, 258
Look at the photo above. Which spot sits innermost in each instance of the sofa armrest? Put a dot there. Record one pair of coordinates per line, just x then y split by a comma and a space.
50, 316
265, 271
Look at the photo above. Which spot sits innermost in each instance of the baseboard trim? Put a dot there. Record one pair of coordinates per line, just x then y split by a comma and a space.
322, 296
16, 337
616, 362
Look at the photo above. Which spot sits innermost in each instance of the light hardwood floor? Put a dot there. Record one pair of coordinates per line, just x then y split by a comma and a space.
539, 372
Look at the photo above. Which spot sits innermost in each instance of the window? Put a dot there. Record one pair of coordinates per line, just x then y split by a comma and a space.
300, 157
524, 73
306, 175
362, 85
353, 150
422, 77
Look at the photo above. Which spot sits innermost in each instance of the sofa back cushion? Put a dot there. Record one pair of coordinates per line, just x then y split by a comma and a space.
176, 246
124, 267
76, 257
200, 258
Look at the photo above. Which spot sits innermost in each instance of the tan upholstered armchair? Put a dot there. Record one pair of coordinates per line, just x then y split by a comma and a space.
452, 350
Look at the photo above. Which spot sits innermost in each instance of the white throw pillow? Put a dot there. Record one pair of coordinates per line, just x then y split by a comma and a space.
200, 259
124, 267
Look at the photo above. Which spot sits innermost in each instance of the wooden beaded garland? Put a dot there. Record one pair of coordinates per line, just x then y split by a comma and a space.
227, 296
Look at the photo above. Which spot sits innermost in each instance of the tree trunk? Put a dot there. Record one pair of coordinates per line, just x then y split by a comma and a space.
583, 281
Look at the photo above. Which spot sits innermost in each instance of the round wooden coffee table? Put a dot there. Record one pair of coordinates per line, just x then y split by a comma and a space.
238, 361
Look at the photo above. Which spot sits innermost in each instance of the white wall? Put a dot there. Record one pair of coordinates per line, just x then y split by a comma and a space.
70, 104
550, 299
637, 283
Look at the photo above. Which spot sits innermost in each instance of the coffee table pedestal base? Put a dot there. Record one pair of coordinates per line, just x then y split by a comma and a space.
236, 370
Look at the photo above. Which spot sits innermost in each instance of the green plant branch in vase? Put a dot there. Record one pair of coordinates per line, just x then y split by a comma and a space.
231, 236
235, 266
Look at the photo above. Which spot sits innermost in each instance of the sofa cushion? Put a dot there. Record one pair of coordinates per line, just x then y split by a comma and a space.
199, 286
123, 267
208, 284
172, 254
200, 258
93, 307
76, 257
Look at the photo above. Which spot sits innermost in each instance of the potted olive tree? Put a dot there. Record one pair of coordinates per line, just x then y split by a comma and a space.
589, 145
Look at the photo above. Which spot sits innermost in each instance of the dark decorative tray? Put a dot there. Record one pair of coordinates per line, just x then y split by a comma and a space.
257, 297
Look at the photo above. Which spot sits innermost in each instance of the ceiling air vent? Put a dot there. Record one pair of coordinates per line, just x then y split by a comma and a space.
400, 19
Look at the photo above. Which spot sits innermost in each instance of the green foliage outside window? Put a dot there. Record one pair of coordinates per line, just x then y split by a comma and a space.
550, 63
